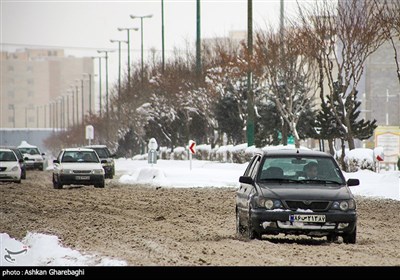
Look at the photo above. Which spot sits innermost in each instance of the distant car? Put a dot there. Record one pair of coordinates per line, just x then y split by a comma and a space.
104, 154
10, 169
20, 160
78, 166
34, 159
275, 196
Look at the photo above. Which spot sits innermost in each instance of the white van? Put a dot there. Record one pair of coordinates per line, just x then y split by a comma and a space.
34, 159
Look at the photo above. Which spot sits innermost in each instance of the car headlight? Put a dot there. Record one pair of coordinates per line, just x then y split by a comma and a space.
268, 203
15, 168
344, 205
66, 171
98, 171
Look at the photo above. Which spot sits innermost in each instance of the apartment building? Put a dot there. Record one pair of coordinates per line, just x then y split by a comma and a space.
42, 88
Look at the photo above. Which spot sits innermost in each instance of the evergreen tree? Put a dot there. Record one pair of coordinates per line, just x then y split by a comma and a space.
228, 118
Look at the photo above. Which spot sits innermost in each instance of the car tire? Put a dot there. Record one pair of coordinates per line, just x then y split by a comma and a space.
23, 175
240, 230
249, 232
18, 181
101, 185
332, 237
351, 237
56, 184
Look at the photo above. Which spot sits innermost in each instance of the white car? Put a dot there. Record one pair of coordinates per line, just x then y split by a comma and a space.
78, 166
10, 168
34, 159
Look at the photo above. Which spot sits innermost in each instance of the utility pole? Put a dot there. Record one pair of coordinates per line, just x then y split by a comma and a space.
250, 94
119, 73
141, 43
162, 37
83, 112
198, 41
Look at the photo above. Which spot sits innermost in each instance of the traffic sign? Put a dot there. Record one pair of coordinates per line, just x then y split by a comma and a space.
192, 146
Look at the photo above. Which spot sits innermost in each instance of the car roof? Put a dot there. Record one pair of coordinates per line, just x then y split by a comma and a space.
25, 144
299, 152
96, 146
6, 150
77, 150
9, 147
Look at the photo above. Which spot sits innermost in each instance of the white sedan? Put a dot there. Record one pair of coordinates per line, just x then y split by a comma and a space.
78, 166
10, 169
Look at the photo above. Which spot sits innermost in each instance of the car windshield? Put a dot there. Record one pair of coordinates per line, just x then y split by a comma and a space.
7, 156
102, 152
31, 151
79, 156
304, 170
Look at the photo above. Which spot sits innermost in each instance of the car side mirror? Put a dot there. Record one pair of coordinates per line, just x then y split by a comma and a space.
56, 161
245, 180
21, 160
353, 182
103, 161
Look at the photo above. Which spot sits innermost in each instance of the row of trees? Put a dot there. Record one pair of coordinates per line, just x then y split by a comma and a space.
319, 54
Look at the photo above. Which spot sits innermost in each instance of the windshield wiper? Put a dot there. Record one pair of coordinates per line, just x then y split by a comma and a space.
321, 181
285, 180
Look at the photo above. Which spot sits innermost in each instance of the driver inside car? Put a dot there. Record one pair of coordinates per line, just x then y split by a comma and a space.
311, 170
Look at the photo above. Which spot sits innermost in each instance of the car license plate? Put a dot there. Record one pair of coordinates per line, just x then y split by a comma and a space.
82, 177
307, 218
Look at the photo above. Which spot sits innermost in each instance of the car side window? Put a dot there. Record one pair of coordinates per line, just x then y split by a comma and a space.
255, 167
249, 168
252, 168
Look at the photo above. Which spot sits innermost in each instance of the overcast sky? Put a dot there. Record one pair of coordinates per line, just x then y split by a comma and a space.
83, 27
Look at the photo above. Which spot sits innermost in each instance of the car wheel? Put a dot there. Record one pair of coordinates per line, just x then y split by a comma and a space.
350, 238
23, 175
240, 230
245, 232
18, 181
56, 184
101, 185
332, 237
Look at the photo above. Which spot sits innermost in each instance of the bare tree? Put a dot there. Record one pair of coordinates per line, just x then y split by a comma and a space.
288, 72
391, 23
345, 36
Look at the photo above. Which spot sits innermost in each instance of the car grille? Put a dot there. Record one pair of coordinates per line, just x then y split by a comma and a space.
82, 171
3, 168
303, 204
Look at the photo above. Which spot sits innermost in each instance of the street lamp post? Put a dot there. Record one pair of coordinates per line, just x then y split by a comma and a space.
67, 110
119, 72
77, 103
141, 43
83, 112
106, 57
162, 37
99, 57
129, 58
90, 91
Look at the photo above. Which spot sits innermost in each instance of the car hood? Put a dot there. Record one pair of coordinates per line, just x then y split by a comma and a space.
80, 166
33, 156
9, 164
301, 191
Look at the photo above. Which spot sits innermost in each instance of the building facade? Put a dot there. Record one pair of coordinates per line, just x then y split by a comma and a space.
42, 88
